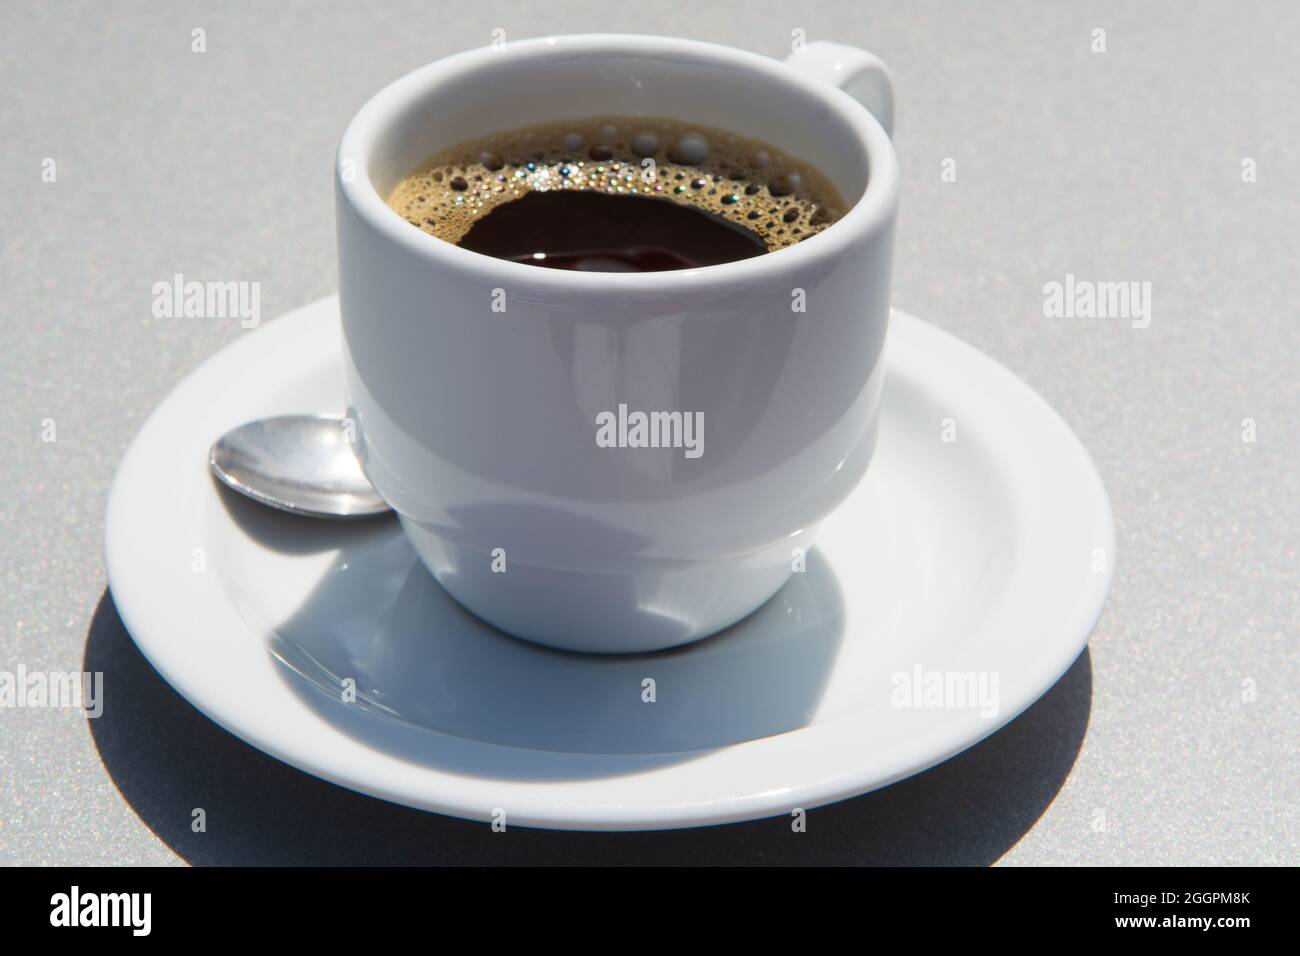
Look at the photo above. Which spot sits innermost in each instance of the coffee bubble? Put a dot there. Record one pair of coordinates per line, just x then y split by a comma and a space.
786, 185
690, 150
645, 144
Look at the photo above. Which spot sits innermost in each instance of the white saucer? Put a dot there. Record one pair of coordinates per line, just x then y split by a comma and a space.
987, 555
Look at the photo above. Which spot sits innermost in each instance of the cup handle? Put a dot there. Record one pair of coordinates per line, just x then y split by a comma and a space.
858, 73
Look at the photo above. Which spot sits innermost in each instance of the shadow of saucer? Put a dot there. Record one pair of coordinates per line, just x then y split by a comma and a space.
167, 759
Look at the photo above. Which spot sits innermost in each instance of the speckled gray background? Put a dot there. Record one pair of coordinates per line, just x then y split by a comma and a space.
1123, 165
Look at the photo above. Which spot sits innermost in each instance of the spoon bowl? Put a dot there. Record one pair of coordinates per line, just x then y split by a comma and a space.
302, 464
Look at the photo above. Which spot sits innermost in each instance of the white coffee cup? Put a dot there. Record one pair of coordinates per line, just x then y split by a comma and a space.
480, 426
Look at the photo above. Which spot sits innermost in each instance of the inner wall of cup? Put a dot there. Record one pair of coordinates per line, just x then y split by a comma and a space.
507, 91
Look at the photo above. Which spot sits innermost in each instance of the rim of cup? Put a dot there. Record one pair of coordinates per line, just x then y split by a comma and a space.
871, 212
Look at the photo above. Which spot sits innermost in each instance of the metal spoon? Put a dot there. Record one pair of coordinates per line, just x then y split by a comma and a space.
303, 464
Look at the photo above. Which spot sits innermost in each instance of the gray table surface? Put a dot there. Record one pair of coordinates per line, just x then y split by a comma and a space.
1121, 165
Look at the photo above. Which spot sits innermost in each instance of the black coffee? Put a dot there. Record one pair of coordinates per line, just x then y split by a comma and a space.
618, 195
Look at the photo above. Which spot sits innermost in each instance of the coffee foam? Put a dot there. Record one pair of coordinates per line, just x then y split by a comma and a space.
747, 182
